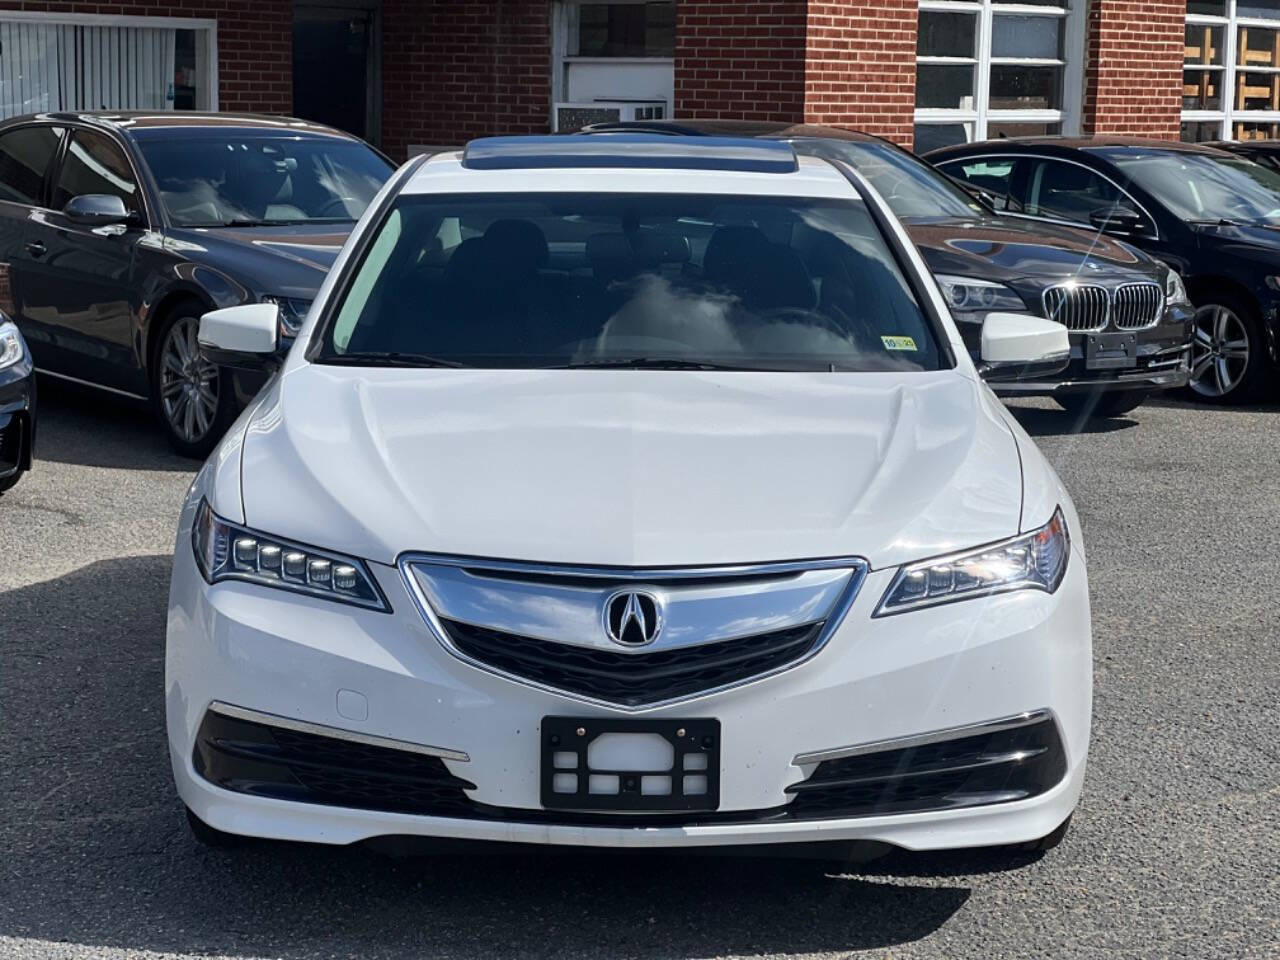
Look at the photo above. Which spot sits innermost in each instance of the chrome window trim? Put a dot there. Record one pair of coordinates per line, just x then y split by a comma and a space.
1040, 217
336, 733
859, 566
1025, 719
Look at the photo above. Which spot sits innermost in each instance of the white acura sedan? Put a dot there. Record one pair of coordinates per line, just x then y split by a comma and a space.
629, 492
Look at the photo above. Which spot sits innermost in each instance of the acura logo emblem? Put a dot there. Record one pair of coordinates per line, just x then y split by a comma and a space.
632, 618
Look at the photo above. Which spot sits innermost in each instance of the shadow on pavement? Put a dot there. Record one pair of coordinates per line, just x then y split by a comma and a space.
92, 428
98, 853
1048, 422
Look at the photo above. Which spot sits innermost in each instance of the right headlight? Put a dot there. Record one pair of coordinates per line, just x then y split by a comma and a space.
1175, 291
229, 551
11, 348
1031, 561
971, 299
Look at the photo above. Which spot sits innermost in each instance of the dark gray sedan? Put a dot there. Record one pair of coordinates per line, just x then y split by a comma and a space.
117, 231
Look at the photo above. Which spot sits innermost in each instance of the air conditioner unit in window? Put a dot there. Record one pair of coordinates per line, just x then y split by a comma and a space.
569, 117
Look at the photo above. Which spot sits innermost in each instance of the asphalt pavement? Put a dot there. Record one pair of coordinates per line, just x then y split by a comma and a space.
1174, 851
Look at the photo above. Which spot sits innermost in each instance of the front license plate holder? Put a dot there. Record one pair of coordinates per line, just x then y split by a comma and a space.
693, 775
1110, 351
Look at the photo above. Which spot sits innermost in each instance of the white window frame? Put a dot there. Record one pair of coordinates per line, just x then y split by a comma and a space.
981, 116
1230, 114
562, 22
210, 27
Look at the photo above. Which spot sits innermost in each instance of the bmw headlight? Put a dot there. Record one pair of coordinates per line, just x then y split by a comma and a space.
1032, 561
227, 551
1175, 291
971, 299
292, 312
11, 346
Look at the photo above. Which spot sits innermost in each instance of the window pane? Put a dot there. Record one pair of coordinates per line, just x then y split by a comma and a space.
1204, 45
1201, 90
1034, 38
997, 130
24, 159
1201, 131
944, 85
947, 34
627, 30
935, 136
1258, 91
1267, 9
94, 164
1258, 47
993, 176
1255, 131
1207, 8
1068, 191
1025, 88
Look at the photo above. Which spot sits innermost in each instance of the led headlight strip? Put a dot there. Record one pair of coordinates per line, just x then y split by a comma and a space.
1032, 561
226, 551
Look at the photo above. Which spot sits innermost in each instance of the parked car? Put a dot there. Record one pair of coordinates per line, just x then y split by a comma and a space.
1127, 315
1264, 152
621, 492
1209, 214
119, 230
17, 406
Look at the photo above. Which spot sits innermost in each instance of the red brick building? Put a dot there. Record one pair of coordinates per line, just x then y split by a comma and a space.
417, 73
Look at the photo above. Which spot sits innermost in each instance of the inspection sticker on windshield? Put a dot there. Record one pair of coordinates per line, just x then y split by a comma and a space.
898, 343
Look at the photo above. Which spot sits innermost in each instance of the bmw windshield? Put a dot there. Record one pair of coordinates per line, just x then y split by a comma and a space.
672, 281
913, 189
1202, 187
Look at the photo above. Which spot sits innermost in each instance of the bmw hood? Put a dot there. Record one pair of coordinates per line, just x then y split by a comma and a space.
630, 468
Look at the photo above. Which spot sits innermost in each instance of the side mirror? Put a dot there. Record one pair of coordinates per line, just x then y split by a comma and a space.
96, 210
1016, 346
244, 337
1124, 221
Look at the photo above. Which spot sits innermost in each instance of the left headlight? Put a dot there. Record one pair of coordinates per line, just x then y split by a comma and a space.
292, 312
227, 551
1175, 291
1032, 561
11, 348
971, 299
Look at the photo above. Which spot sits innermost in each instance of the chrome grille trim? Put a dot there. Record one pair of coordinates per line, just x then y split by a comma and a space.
1078, 306
1137, 305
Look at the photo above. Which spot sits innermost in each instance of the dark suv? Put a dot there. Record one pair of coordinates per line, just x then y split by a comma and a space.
117, 231
1127, 314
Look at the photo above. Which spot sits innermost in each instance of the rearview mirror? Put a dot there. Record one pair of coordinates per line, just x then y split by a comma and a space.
96, 210
1121, 220
245, 337
1016, 346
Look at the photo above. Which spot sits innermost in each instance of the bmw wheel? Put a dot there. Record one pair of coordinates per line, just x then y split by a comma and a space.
1227, 354
192, 396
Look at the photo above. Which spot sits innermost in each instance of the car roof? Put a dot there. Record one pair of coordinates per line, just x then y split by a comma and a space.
763, 129
630, 168
141, 123
1070, 144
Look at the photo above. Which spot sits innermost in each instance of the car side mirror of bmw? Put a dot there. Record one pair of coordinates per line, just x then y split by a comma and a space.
97, 210
246, 337
1016, 346
1121, 221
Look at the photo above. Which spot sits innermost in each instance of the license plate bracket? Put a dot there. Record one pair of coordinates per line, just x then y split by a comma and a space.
1110, 351
693, 778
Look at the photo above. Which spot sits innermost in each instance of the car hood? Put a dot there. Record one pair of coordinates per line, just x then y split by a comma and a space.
287, 261
630, 468
1006, 248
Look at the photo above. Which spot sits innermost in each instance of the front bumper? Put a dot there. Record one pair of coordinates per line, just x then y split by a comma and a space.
386, 677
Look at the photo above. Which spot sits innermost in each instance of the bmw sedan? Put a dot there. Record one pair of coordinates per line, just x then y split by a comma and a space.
623, 492
1210, 215
117, 231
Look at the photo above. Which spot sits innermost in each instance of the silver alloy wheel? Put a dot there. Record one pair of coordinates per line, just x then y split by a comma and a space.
188, 383
1219, 351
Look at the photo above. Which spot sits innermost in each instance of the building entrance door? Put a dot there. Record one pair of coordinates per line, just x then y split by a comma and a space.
335, 66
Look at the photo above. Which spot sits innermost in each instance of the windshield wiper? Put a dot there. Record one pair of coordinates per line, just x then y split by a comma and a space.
651, 363
389, 358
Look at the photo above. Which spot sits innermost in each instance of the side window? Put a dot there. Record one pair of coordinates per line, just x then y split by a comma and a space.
1067, 191
992, 175
93, 164
25, 155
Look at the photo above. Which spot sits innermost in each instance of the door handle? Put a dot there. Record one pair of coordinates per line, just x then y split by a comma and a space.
36, 248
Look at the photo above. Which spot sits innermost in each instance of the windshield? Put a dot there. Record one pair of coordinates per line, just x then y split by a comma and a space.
246, 180
1203, 187
912, 188
668, 280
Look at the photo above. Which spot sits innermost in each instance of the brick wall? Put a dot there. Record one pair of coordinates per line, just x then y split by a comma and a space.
861, 65
456, 70
255, 43
1133, 67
